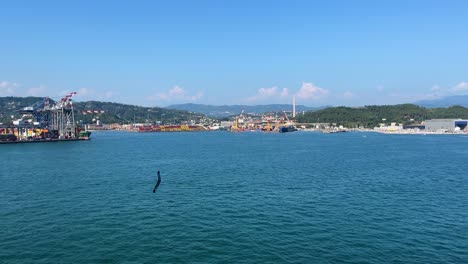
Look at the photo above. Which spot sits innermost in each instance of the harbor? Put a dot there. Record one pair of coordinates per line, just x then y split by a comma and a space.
54, 121
242, 132
44, 121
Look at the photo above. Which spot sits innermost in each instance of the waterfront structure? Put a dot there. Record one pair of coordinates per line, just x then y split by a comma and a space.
449, 125
44, 121
294, 107
171, 128
392, 128
266, 123
415, 127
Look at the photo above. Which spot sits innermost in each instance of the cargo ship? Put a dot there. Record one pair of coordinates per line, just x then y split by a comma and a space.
37, 135
84, 135
285, 129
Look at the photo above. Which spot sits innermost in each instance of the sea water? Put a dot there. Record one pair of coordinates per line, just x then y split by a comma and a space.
225, 197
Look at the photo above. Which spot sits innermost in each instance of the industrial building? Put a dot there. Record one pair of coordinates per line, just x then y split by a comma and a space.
448, 125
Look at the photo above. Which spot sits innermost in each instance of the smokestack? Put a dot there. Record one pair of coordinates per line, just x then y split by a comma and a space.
294, 106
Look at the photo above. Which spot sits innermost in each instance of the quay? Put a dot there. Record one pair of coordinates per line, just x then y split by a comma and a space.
171, 128
41, 140
44, 121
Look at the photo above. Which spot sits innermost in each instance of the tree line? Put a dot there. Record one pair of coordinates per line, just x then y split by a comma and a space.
370, 116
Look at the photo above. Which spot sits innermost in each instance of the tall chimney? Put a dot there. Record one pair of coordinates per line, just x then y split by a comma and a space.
294, 106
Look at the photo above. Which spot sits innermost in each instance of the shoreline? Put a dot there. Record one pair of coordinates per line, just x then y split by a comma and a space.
42, 141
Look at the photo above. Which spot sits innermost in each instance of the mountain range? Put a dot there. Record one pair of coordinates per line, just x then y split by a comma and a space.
230, 110
461, 100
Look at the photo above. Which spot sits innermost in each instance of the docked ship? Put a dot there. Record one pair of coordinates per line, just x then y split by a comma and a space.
85, 134
285, 129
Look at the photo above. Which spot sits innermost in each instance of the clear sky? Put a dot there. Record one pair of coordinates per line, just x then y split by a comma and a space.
157, 53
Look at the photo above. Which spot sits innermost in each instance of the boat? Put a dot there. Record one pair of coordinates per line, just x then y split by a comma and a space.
333, 131
8, 138
339, 131
84, 135
285, 129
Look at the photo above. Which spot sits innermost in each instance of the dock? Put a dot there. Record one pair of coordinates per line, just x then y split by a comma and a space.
44, 121
41, 141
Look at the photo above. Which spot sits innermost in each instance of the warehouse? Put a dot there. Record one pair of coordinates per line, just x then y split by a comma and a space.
449, 125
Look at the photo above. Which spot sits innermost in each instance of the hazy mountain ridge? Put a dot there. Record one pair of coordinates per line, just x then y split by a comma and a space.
229, 110
461, 100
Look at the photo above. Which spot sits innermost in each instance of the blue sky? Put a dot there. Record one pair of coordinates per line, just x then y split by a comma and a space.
157, 53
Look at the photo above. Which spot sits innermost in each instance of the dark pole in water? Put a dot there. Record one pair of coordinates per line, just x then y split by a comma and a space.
157, 183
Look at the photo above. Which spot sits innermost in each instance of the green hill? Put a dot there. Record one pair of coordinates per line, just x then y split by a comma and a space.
371, 116
122, 113
113, 112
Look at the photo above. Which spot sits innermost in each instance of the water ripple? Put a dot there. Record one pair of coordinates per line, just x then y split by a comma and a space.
236, 198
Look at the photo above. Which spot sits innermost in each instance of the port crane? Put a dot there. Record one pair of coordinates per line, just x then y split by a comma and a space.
283, 121
55, 117
39, 111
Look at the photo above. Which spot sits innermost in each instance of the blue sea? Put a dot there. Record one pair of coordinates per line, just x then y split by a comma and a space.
299, 197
